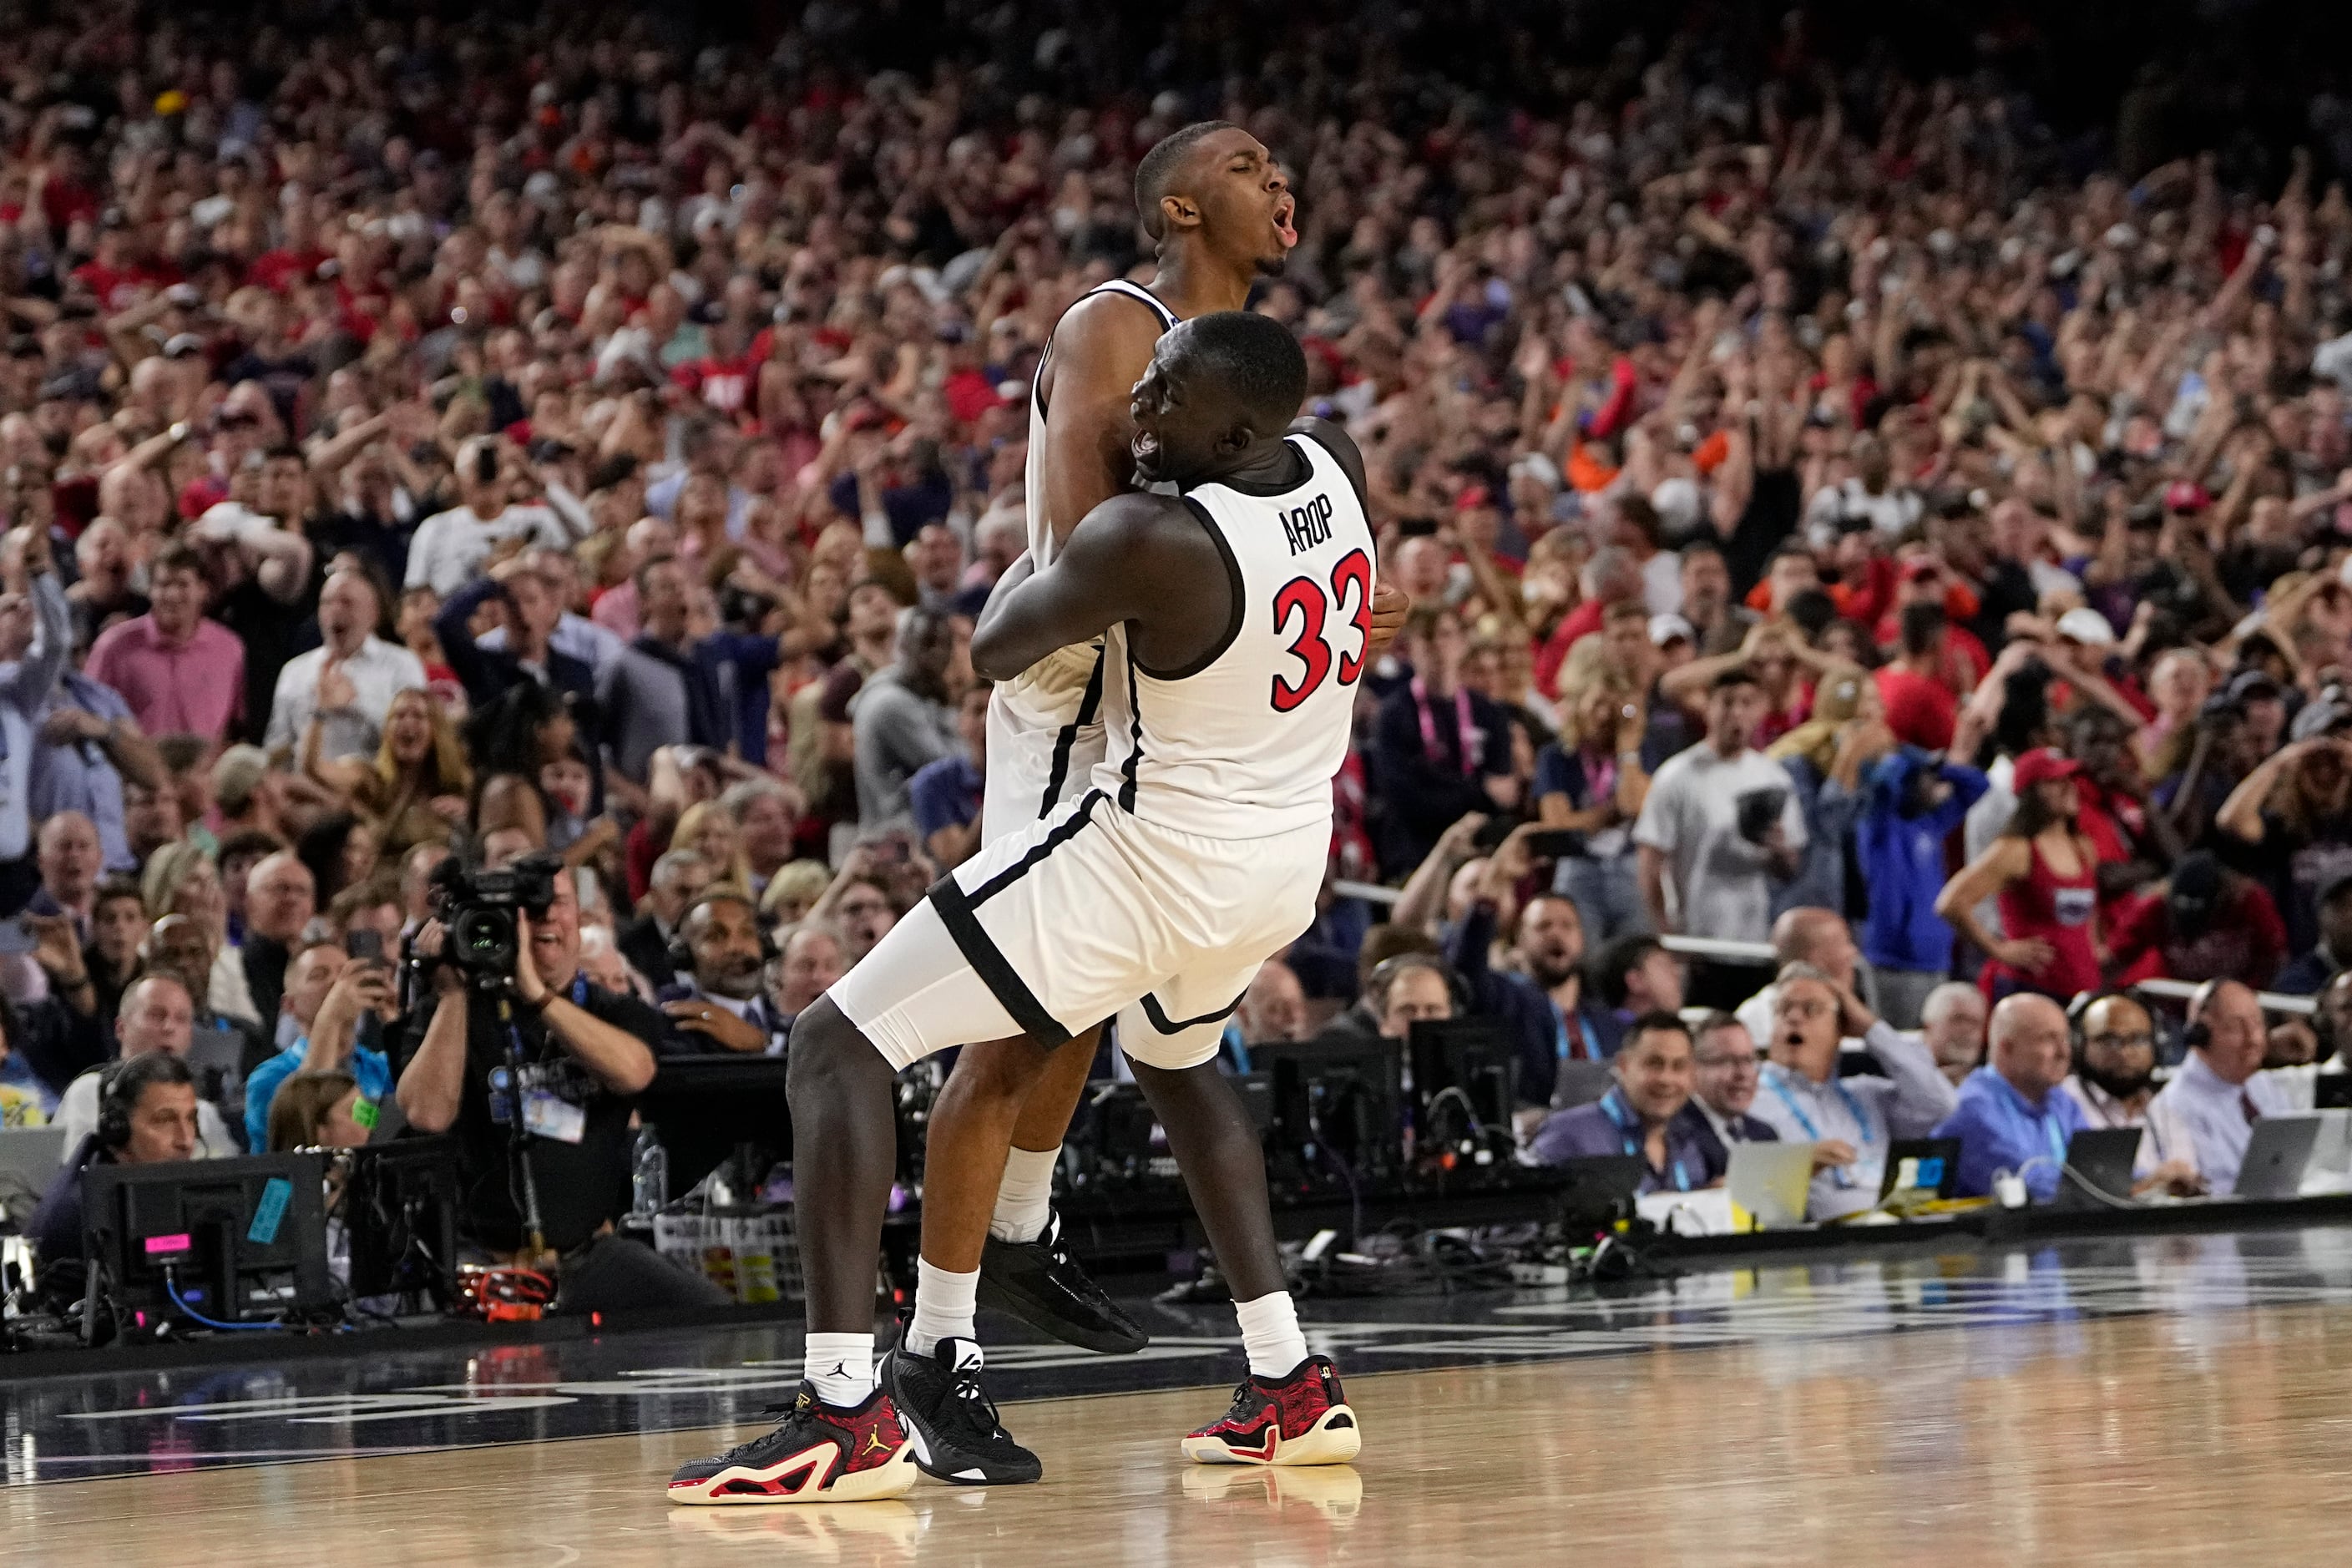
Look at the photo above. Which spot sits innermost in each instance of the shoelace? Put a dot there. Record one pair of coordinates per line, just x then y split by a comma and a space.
785, 1410
977, 1404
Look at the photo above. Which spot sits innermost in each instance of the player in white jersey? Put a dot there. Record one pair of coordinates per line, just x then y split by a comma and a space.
1236, 620
1220, 212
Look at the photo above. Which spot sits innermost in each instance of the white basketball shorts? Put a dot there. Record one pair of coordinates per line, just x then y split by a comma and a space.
1088, 915
1045, 737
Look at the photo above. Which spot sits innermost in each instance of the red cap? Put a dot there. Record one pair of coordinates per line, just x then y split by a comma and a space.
2042, 765
1473, 497
2185, 496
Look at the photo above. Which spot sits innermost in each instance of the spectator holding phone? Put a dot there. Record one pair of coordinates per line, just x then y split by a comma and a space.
1591, 782
1719, 822
329, 997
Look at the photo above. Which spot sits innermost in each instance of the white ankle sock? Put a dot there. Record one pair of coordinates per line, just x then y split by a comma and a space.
944, 1304
1270, 1335
841, 1366
1025, 1194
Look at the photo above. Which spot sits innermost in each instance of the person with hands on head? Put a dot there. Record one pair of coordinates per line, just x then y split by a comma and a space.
1592, 782
2291, 817
1851, 1121
1544, 1004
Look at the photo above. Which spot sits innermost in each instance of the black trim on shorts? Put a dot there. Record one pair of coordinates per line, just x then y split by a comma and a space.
1135, 739
1090, 712
1038, 851
1233, 622
1158, 1016
988, 962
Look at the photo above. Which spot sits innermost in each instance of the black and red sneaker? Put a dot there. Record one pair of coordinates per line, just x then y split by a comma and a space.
1299, 1419
818, 1455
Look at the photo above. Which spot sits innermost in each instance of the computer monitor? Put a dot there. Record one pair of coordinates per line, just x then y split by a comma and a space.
1337, 1106
1597, 1190
400, 1208
1466, 1065
242, 1240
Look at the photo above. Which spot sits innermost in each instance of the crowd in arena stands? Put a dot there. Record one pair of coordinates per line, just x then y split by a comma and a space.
1834, 522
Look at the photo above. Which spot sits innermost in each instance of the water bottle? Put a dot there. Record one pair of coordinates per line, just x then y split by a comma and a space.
648, 1175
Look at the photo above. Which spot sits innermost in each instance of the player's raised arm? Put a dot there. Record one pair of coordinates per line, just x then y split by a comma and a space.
1116, 568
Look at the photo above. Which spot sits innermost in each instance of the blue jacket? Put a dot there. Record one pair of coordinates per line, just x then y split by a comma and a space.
1903, 860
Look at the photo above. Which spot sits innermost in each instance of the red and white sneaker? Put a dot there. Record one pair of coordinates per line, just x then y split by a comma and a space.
1300, 1419
818, 1455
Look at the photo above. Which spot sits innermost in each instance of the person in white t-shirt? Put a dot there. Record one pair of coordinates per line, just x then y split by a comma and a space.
1719, 822
451, 546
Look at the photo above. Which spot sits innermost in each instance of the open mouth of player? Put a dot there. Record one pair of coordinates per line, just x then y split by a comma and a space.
1145, 447
1283, 231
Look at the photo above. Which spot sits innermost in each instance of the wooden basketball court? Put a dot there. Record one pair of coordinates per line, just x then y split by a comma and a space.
2211, 1437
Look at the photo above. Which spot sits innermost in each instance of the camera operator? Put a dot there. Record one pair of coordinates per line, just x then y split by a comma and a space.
585, 1055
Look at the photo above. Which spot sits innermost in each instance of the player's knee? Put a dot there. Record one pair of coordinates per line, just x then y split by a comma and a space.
995, 1070
824, 1045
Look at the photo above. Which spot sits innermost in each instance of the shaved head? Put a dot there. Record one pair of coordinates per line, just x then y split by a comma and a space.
1158, 173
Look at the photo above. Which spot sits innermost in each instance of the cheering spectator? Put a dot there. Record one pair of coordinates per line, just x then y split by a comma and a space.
1851, 1120
1440, 750
1645, 1114
346, 685
181, 673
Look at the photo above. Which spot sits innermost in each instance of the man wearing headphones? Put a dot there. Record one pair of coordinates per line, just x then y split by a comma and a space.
720, 954
147, 1112
2221, 1090
155, 1018
2114, 1082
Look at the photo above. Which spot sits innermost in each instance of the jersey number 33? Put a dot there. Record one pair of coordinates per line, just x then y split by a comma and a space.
1305, 600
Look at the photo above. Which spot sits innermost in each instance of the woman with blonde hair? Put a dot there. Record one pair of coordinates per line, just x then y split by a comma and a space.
1592, 782
414, 789
181, 880
705, 828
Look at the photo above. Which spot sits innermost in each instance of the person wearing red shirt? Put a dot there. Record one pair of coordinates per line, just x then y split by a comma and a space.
2204, 923
1922, 709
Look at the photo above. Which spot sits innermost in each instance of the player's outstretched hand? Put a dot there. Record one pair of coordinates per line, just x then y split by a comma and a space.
1390, 605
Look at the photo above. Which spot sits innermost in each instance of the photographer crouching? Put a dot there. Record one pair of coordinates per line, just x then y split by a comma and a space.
570, 1070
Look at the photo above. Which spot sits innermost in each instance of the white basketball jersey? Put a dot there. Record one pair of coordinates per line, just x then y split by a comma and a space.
1040, 537
1245, 741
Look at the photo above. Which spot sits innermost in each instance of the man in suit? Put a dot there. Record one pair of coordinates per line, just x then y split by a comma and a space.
1723, 1084
719, 1004
676, 885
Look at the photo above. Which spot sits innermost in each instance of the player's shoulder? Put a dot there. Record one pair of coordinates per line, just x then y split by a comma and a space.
1106, 319
1333, 437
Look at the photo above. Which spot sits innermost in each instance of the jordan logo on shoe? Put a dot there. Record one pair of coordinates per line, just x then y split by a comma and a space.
874, 1442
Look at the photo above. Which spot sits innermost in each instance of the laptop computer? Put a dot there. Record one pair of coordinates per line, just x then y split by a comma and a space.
1920, 1168
1599, 1187
2100, 1158
2275, 1156
1770, 1181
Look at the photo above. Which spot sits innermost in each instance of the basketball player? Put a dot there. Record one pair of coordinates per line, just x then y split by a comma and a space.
1220, 213
1236, 621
